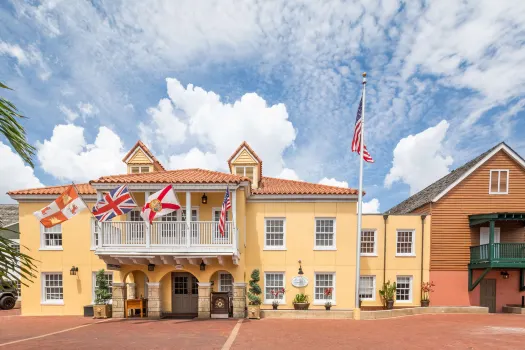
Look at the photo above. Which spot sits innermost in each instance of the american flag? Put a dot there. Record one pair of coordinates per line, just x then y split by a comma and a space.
356, 141
114, 203
226, 204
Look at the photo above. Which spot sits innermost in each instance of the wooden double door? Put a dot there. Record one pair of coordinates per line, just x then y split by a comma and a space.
185, 293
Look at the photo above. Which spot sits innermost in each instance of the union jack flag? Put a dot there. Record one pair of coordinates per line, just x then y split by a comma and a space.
356, 141
226, 204
116, 202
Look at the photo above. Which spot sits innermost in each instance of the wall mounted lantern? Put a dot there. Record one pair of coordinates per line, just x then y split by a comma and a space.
151, 267
505, 275
203, 266
204, 199
73, 271
300, 269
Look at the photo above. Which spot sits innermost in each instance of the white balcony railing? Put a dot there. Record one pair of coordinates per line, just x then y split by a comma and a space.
163, 234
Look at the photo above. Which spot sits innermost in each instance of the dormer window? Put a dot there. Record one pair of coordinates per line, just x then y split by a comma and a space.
499, 182
139, 169
246, 171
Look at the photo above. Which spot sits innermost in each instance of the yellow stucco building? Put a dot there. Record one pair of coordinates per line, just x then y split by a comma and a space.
180, 259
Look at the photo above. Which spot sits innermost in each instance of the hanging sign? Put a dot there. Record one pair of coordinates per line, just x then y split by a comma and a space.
299, 281
112, 267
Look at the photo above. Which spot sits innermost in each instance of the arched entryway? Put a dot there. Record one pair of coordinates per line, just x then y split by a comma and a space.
184, 294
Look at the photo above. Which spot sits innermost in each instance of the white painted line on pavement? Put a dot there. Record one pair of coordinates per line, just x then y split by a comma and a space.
233, 335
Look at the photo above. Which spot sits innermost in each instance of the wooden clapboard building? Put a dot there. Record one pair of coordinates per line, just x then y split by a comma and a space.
477, 232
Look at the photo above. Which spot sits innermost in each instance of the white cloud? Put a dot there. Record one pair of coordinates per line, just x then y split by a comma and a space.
26, 57
14, 174
420, 159
333, 182
198, 120
67, 155
87, 109
70, 114
371, 207
289, 174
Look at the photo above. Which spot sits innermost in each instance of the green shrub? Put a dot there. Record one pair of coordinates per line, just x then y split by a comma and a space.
301, 298
255, 290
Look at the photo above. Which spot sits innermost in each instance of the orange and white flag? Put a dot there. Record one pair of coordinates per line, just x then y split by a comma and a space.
67, 205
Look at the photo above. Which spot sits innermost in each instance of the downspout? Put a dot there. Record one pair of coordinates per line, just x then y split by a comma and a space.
422, 249
385, 217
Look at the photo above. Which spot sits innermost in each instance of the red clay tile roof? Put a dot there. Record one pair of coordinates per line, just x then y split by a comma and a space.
82, 189
173, 176
139, 143
245, 144
271, 185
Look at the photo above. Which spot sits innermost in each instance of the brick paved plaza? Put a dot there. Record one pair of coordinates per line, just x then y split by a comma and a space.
412, 332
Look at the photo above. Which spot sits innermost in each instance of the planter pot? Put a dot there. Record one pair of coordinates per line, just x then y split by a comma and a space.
254, 312
425, 303
275, 306
327, 308
102, 311
301, 306
389, 304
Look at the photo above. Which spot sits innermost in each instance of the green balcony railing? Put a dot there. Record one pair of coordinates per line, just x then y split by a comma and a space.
502, 253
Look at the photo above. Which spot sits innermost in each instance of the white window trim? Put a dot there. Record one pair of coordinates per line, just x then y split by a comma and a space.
244, 168
270, 301
140, 169
411, 292
413, 242
273, 247
93, 245
219, 209
375, 242
323, 301
219, 278
332, 247
94, 283
43, 240
43, 300
499, 180
373, 288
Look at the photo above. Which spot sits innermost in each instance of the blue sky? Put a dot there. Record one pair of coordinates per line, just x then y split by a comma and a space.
446, 81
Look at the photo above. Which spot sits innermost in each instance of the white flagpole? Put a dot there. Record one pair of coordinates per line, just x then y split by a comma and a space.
360, 200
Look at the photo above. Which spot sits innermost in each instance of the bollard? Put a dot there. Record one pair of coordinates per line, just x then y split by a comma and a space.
522, 301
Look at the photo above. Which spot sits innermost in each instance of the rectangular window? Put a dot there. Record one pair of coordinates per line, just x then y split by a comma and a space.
324, 281
367, 287
368, 242
405, 242
499, 182
135, 169
144, 169
225, 282
274, 233
273, 281
94, 233
324, 233
246, 171
52, 288
404, 289
51, 237
109, 278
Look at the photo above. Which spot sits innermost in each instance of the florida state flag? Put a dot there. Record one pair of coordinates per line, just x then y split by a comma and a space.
160, 203
67, 205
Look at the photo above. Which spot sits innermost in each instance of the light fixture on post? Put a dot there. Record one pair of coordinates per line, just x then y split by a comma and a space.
73, 271
204, 199
300, 269
151, 267
203, 265
505, 275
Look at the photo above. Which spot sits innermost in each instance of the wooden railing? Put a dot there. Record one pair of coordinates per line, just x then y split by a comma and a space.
166, 233
501, 252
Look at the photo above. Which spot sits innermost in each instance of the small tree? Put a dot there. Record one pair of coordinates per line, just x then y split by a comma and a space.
255, 289
102, 293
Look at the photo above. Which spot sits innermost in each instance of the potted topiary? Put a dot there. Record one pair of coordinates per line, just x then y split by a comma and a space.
276, 294
426, 289
328, 295
102, 308
388, 293
254, 308
301, 302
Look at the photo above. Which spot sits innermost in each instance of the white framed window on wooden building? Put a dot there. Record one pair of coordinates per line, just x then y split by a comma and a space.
324, 234
51, 238
367, 287
225, 282
246, 171
139, 169
404, 289
274, 233
273, 281
52, 288
324, 281
95, 228
499, 181
368, 242
109, 278
405, 243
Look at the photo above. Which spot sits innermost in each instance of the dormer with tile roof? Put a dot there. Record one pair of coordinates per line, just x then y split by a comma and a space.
140, 160
245, 162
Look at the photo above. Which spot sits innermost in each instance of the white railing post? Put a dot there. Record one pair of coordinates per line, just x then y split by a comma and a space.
99, 224
188, 218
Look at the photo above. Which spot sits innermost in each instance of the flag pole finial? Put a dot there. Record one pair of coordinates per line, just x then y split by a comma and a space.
364, 77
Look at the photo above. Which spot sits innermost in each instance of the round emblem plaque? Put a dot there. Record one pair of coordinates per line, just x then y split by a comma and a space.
155, 205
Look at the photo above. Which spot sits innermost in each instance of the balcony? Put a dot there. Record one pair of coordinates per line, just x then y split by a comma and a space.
176, 237
502, 255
